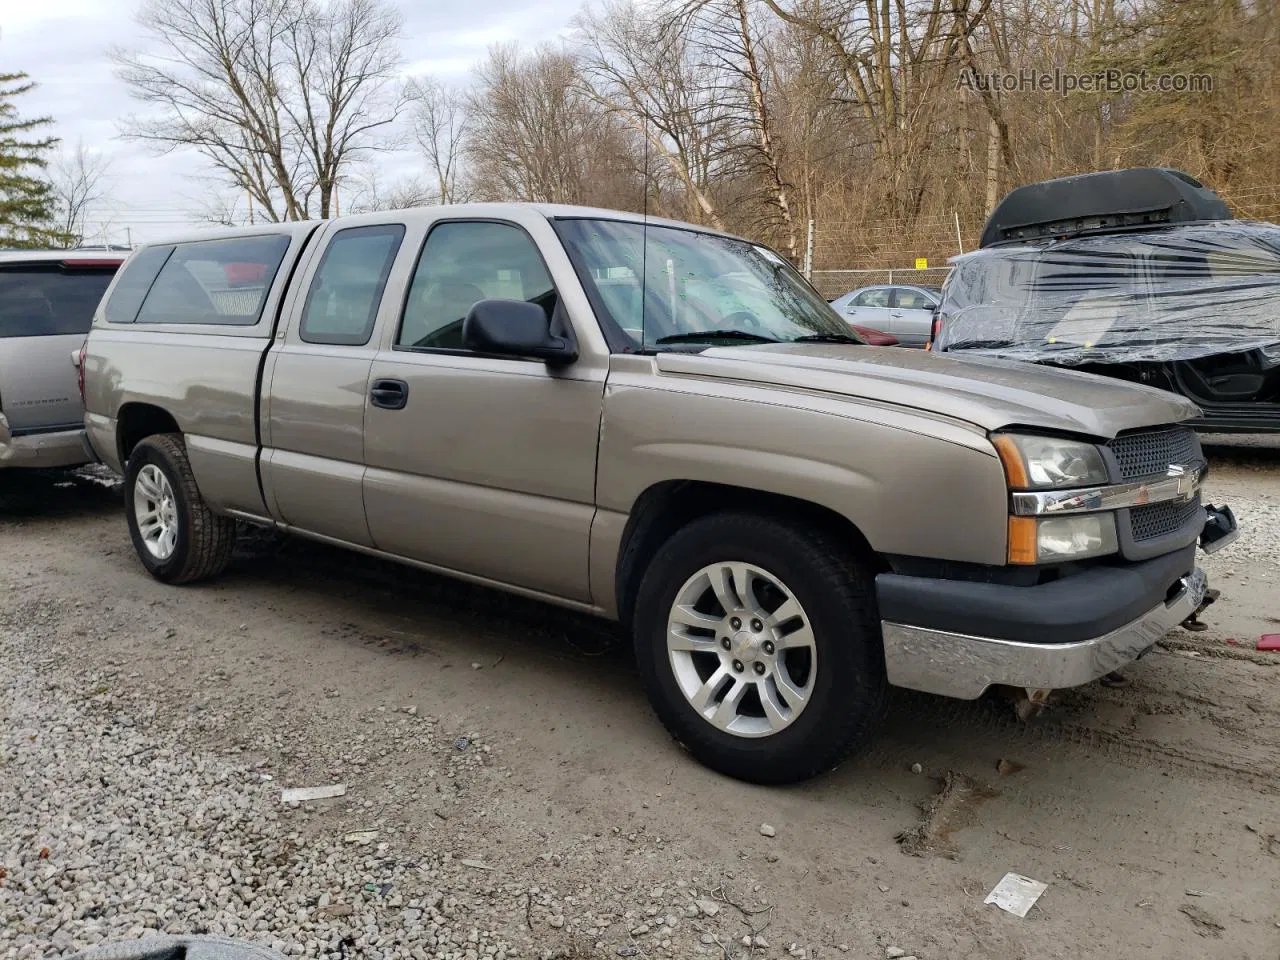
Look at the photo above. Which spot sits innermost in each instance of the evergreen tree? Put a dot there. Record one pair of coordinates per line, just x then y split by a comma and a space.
28, 206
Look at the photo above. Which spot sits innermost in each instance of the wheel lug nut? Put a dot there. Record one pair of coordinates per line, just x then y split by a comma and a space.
768, 647
757, 626
760, 668
735, 623
725, 642
737, 665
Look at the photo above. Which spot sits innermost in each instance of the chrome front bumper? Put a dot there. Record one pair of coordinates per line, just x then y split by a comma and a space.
956, 665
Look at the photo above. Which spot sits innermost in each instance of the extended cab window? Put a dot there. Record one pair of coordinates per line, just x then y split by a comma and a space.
222, 282
342, 303
136, 279
461, 263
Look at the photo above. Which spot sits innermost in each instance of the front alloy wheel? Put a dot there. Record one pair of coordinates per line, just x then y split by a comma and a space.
742, 649
758, 642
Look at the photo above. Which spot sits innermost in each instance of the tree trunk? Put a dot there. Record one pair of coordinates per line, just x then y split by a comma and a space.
993, 164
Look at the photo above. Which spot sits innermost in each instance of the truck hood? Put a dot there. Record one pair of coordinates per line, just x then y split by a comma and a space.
987, 392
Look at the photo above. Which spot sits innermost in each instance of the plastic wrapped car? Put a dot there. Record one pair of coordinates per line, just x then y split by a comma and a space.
1135, 274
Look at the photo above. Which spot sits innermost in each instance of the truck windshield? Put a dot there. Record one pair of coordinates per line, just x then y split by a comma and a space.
49, 301
667, 286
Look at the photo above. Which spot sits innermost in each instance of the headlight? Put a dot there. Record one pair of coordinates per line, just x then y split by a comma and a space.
1046, 463
1055, 539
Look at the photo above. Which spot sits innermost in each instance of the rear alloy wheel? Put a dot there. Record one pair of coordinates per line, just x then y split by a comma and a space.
759, 645
175, 534
156, 509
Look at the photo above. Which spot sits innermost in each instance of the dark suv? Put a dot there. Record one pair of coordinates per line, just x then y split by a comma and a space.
1136, 274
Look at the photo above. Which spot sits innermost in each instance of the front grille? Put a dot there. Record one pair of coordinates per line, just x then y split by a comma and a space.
1160, 519
1149, 454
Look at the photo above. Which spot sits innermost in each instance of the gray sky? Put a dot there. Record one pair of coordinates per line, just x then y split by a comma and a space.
62, 45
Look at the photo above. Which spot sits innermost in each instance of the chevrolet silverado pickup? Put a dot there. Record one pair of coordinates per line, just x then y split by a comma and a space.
658, 424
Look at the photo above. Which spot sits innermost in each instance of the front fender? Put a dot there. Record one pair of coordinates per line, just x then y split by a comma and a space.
913, 485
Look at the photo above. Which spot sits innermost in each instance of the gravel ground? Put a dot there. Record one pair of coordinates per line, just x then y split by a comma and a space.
509, 794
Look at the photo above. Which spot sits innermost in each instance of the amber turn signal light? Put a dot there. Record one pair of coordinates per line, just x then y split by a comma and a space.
1022, 540
1015, 470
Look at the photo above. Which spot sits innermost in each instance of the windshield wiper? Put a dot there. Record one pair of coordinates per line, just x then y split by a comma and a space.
979, 344
827, 338
701, 335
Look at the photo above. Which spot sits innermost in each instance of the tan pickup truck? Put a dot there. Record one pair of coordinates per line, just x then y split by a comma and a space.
661, 425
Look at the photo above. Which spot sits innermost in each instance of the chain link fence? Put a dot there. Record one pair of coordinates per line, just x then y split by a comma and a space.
834, 283
843, 255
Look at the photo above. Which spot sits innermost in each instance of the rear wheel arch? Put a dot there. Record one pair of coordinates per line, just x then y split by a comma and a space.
664, 508
137, 421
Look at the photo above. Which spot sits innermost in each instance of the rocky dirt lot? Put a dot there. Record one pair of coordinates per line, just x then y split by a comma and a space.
509, 793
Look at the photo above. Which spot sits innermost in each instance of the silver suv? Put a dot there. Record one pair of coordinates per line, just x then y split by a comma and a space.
47, 301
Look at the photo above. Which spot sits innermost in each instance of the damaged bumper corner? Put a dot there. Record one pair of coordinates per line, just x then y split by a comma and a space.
1220, 528
963, 666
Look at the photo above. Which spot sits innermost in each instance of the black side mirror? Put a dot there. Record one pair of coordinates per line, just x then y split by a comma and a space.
515, 328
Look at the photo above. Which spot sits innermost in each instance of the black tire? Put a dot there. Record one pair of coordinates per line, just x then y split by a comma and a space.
835, 586
204, 539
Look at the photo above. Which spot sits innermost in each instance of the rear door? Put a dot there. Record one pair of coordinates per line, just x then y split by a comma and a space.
46, 309
316, 381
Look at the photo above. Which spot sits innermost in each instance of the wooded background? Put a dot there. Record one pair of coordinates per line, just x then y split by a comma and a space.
752, 115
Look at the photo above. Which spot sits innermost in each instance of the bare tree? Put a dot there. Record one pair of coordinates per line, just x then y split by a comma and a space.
896, 57
78, 177
440, 127
639, 65
531, 124
370, 193
280, 95
726, 36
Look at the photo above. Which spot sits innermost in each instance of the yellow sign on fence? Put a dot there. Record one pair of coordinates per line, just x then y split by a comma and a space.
922, 263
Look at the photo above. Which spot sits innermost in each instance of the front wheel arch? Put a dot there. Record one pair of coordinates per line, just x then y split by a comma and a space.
664, 508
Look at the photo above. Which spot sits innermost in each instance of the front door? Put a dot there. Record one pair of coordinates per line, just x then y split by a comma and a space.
481, 464
870, 308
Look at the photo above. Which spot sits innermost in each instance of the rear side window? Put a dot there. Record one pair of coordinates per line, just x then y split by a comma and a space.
221, 282
909, 299
139, 273
50, 301
342, 303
